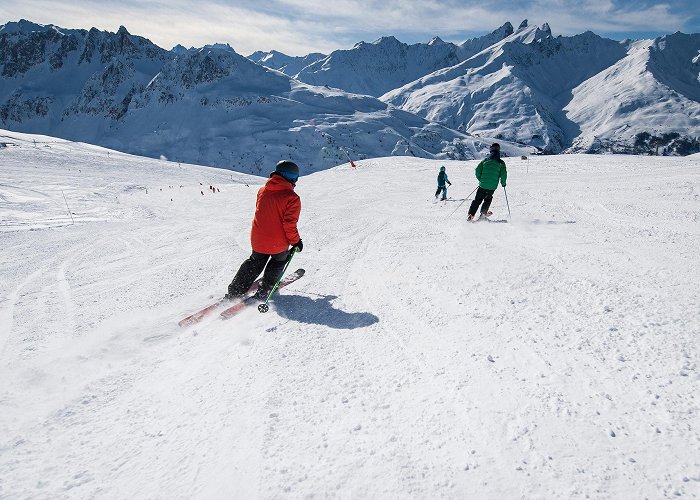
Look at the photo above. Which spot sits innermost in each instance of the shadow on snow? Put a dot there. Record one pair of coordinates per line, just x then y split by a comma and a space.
320, 311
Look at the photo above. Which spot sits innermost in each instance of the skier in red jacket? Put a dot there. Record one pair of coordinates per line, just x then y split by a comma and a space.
274, 230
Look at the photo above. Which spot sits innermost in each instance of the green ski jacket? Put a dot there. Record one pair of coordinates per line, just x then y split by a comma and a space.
489, 172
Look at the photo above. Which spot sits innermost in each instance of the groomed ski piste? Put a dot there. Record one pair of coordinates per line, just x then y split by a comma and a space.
421, 356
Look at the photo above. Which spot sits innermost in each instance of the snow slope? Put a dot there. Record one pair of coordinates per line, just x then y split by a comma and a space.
421, 356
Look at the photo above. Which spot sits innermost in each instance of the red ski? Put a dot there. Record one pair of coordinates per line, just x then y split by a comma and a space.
195, 318
236, 308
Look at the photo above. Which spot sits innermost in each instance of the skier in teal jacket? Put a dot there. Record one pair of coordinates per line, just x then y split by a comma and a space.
489, 172
441, 180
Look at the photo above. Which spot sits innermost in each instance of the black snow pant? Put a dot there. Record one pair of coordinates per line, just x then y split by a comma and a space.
442, 189
485, 195
251, 269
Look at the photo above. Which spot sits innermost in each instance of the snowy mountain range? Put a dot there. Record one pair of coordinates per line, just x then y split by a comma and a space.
209, 106
386, 64
581, 93
525, 87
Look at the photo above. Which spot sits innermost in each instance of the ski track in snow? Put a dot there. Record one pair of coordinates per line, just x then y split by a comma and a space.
420, 356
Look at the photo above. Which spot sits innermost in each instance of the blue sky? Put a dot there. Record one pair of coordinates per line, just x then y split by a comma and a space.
298, 27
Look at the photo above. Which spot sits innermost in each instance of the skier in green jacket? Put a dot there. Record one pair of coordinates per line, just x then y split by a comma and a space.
489, 172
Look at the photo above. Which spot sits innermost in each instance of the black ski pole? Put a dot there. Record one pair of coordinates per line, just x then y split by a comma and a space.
465, 199
507, 204
263, 308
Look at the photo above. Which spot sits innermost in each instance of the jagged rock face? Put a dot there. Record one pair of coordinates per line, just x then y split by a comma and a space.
476, 45
19, 55
18, 108
72, 74
107, 93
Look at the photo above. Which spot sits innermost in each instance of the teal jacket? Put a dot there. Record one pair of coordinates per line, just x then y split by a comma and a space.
489, 172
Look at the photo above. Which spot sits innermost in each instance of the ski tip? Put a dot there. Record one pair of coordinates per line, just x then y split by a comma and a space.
300, 272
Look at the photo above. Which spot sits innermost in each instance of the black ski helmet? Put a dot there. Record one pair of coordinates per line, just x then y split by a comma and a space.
287, 169
495, 148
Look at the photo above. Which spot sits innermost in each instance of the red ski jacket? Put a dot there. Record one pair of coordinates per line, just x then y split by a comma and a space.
276, 214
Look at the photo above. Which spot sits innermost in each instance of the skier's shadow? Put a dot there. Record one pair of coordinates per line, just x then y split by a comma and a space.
320, 311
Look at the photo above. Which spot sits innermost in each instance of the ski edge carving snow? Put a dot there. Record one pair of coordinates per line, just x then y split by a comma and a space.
236, 308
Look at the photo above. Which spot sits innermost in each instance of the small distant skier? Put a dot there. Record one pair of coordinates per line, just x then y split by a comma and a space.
274, 229
441, 180
489, 172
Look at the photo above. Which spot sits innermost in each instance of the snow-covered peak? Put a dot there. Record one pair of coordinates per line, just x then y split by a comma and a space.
289, 65
24, 26
505, 30
178, 49
476, 45
530, 34
220, 46
272, 54
388, 41
436, 41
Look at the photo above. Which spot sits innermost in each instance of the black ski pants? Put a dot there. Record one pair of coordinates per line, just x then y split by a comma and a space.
485, 195
442, 189
251, 269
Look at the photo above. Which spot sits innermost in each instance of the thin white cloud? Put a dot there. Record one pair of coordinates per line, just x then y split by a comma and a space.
569, 17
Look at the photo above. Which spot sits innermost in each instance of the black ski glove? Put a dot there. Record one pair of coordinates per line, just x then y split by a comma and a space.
298, 246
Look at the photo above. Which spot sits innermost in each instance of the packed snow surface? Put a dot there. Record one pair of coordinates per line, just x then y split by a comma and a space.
421, 356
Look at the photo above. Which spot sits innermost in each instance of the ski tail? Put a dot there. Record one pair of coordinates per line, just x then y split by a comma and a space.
198, 316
